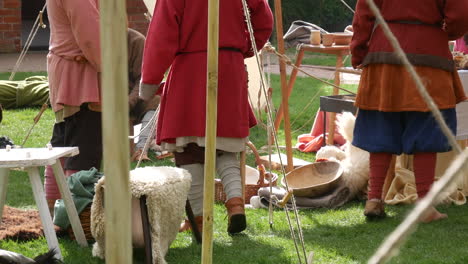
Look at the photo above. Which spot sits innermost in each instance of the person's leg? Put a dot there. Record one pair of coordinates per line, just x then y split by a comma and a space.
379, 133
228, 168
195, 195
424, 138
424, 172
83, 129
378, 165
192, 159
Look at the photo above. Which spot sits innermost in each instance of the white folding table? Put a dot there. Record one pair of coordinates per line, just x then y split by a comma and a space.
31, 159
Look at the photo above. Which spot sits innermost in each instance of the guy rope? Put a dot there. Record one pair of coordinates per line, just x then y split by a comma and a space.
273, 131
38, 23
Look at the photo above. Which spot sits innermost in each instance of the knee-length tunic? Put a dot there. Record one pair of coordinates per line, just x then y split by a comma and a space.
177, 38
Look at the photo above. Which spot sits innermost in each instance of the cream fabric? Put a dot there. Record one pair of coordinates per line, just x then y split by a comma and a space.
403, 188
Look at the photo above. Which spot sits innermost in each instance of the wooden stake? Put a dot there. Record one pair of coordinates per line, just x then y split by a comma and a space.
284, 88
210, 132
115, 129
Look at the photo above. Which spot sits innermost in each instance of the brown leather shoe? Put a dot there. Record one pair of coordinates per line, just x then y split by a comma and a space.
374, 209
236, 215
186, 226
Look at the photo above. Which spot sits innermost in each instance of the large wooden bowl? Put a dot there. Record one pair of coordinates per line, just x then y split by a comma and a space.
342, 38
314, 179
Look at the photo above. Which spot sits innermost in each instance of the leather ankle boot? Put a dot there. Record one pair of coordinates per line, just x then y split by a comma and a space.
236, 215
186, 226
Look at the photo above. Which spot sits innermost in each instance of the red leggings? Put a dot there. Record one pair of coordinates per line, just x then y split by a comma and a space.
424, 170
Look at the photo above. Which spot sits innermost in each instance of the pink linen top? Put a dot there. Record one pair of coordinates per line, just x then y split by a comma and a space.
74, 31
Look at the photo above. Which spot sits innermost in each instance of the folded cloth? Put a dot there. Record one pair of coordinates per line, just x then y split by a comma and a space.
81, 186
334, 199
299, 32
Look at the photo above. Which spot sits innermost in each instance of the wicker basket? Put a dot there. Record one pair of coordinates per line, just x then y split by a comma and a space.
85, 219
254, 179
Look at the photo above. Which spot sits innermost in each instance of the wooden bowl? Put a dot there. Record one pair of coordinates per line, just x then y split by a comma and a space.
342, 38
314, 179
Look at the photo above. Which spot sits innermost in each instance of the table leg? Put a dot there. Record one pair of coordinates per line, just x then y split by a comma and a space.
69, 204
44, 213
324, 128
292, 80
3, 189
331, 128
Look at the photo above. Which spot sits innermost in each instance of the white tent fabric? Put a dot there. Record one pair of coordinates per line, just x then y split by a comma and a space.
150, 4
462, 109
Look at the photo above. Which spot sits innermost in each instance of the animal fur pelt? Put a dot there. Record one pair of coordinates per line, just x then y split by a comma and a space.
4, 141
355, 161
8, 257
166, 190
20, 225
352, 184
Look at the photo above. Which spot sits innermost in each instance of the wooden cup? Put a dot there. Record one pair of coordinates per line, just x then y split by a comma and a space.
327, 40
315, 37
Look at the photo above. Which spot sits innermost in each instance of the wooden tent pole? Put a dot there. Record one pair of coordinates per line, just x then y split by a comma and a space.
284, 88
210, 132
113, 32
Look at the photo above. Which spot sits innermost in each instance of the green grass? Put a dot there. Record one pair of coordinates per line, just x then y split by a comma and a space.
20, 75
313, 58
334, 235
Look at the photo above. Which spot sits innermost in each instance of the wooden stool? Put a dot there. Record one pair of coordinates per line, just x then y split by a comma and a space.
31, 159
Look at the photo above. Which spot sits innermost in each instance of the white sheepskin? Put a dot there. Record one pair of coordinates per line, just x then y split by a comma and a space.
166, 189
355, 161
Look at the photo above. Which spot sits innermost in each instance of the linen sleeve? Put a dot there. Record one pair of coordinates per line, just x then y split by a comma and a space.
262, 22
84, 20
363, 26
162, 44
456, 18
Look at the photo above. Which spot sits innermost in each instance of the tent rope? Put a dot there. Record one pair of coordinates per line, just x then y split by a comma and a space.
37, 23
346, 4
293, 200
390, 246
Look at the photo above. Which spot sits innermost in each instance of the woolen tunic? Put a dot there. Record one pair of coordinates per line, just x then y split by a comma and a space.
177, 38
74, 31
385, 84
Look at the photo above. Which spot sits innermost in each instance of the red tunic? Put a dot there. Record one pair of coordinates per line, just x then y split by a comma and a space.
177, 38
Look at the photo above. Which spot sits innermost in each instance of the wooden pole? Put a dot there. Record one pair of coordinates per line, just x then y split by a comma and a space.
210, 132
292, 80
331, 127
284, 88
115, 129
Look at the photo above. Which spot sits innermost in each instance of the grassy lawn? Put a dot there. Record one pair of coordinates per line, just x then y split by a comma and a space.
334, 235
313, 58
20, 75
